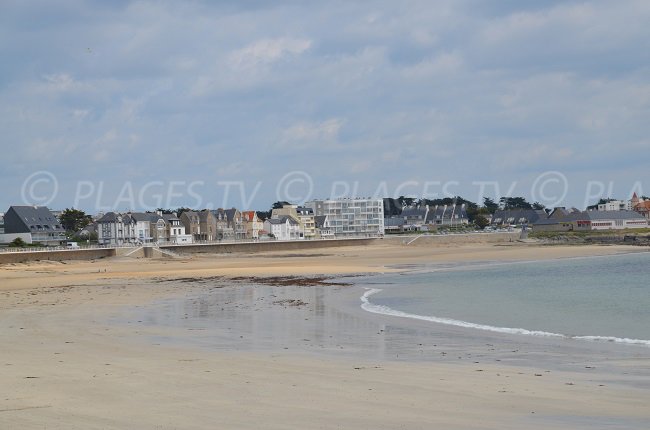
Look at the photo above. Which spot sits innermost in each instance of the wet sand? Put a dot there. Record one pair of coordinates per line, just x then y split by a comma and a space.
169, 344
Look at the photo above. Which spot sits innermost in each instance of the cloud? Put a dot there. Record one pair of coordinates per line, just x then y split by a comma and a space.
356, 91
311, 135
266, 51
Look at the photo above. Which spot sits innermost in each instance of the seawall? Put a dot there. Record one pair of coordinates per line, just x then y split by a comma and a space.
59, 255
452, 239
224, 248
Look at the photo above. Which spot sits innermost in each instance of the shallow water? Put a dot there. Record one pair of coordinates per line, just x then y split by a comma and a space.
596, 298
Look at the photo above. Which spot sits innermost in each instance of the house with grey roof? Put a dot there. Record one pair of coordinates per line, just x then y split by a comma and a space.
518, 216
283, 228
447, 216
175, 230
44, 227
224, 229
192, 222
114, 229
394, 224
591, 220
414, 217
323, 227
140, 228
236, 223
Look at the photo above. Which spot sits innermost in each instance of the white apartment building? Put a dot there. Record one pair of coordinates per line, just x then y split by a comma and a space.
616, 205
352, 217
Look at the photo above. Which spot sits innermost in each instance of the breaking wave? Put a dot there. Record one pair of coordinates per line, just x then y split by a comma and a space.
385, 310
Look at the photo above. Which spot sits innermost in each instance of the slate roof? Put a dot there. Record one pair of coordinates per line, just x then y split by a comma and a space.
193, 216
304, 210
622, 215
319, 220
417, 213
204, 214
531, 216
23, 219
395, 221
283, 219
143, 216
230, 214
109, 217
442, 213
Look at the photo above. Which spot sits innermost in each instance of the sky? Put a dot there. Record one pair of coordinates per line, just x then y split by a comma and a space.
135, 105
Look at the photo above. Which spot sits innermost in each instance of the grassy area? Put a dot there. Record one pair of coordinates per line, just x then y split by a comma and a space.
593, 233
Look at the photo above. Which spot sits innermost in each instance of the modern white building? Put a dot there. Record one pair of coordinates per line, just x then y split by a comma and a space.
352, 217
616, 205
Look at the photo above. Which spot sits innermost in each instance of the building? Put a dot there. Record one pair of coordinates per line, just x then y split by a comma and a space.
394, 224
235, 223
208, 224
114, 229
291, 211
2, 222
518, 216
352, 217
447, 216
615, 205
591, 220
252, 224
641, 206
283, 228
175, 230
323, 228
192, 223
415, 218
307, 222
38, 221
143, 230
224, 231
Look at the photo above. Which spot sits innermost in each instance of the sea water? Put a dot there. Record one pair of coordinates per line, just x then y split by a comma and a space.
603, 299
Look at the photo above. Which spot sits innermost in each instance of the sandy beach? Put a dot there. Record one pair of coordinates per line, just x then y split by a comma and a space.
201, 342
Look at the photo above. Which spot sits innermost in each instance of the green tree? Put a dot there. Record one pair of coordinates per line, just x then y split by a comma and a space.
17, 243
538, 206
263, 215
490, 205
514, 203
280, 205
182, 209
405, 201
481, 222
74, 219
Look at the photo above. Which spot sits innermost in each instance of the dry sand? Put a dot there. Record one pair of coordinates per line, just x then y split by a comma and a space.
63, 366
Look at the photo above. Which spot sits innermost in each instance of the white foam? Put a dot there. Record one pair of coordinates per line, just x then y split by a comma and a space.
614, 339
385, 310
